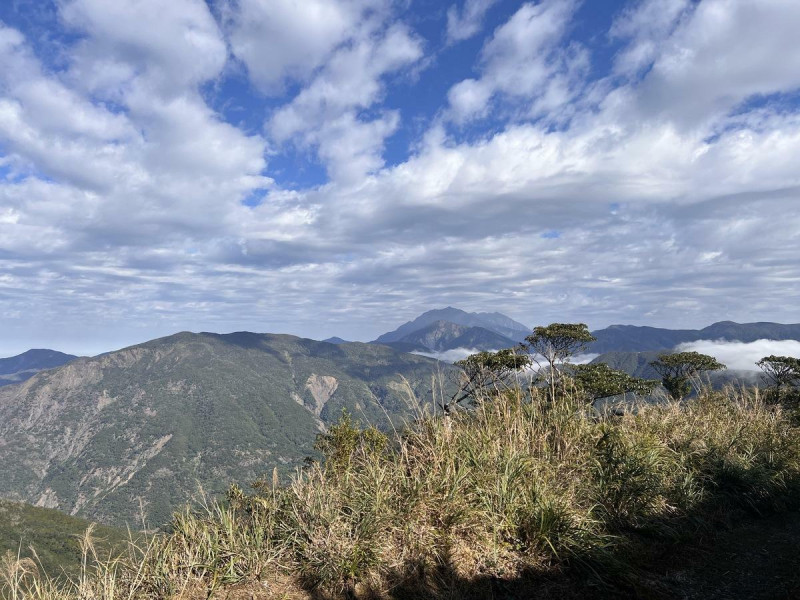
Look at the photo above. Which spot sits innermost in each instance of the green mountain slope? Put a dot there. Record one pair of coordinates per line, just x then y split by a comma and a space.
632, 363
54, 535
638, 365
151, 423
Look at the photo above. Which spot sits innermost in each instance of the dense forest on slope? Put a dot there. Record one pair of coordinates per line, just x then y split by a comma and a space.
157, 421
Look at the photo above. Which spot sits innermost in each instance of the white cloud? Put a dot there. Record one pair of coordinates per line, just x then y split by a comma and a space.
324, 115
285, 39
742, 356
463, 24
719, 55
523, 60
646, 24
173, 44
583, 359
450, 356
158, 166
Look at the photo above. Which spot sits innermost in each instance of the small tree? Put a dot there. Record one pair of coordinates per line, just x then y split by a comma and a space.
556, 343
781, 372
679, 368
601, 381
343, 438
486, 372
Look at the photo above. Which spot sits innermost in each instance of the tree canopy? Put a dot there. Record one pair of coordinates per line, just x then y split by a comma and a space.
780, 370
487, 371
556, 343
560, 340
677, 369
782, 374
601, 381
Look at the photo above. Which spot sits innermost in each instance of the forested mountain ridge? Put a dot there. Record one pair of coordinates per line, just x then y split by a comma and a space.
632, 338
449, 328
151, 422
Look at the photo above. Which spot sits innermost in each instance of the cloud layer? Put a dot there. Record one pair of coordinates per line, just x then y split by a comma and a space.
335, 167
742, 356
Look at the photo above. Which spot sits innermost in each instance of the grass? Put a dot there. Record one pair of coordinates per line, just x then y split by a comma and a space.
516, 489
54, 535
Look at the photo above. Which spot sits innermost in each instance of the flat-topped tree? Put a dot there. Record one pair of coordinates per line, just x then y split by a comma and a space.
486, 372
556, 343
780, 372
601, 381
677, 370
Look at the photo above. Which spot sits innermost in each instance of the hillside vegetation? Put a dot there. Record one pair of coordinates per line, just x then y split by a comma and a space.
54, 536
139, 430
521, 487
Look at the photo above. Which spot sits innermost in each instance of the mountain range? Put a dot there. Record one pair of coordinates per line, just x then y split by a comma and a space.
631, 338
146, 426
150, 423
449, 328
24, 366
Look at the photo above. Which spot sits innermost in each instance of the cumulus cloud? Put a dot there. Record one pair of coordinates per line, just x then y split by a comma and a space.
173, 44
742, 356
719, 55
325, 114
465, 23
132, 203
285, 39
524, 59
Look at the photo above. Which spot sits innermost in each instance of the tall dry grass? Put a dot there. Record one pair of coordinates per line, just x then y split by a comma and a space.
514, 487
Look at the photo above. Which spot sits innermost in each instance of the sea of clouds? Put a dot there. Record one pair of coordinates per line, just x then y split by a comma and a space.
742, 356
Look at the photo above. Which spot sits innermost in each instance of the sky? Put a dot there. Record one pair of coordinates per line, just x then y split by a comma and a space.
337, 167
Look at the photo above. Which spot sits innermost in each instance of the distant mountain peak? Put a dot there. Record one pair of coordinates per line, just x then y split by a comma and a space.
21, 367
490, 331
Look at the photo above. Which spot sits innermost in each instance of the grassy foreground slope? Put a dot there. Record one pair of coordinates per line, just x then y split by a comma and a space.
54, 535
468, 506
138, 430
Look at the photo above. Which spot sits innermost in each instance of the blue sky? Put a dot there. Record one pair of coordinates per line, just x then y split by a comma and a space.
336, 167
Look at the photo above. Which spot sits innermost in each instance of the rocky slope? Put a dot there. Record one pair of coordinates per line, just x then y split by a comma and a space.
147, 425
